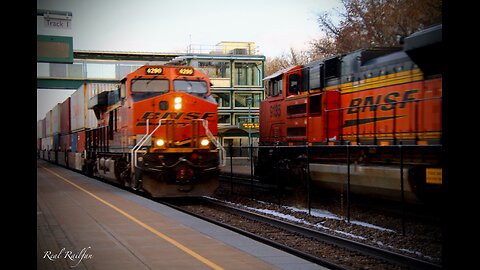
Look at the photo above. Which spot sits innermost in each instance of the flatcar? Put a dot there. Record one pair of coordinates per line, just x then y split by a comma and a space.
155, 131
377, 101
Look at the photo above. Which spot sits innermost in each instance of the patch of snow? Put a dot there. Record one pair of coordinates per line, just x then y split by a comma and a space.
315, 212
364, 224
351, 235
277, 214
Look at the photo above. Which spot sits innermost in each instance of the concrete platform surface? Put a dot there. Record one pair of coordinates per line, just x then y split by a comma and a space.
83, 223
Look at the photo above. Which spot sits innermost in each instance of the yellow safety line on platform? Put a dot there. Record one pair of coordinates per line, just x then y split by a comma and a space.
159, 234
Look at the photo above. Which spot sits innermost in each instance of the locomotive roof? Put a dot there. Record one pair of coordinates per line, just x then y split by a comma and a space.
278, 73
393, 57
424, 38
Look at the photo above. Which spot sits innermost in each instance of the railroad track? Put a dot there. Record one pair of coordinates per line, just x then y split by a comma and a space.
366, 250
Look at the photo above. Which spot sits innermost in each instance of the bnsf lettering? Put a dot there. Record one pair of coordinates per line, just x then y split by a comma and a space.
178, 116
192, 115
208, 114
389, 101
172, 115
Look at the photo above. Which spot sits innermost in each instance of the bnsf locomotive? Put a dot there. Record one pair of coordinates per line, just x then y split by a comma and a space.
155, 131
372, 100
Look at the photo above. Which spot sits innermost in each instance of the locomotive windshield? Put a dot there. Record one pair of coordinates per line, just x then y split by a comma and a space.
148, 86
191, 87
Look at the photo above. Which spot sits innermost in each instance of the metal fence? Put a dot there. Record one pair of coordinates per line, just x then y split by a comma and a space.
285, 167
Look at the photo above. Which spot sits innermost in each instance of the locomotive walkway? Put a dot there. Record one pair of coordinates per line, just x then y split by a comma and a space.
83, 223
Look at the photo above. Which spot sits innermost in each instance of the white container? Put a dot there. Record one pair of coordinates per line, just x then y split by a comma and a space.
56, 118
47, 143
40, 128
48, 124
80, 116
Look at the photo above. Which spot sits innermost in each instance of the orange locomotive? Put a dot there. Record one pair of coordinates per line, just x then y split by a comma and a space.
370, 97
162, 122
154, 132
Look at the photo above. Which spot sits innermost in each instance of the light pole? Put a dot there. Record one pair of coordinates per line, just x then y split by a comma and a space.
249, 104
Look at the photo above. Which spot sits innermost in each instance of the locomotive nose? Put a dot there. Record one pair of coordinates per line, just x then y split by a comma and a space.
183, 174
184, 177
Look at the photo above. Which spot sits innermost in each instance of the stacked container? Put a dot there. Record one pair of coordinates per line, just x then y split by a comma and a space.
82, 119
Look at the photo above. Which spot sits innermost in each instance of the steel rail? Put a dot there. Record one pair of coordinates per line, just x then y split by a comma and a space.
298, 253
392, 257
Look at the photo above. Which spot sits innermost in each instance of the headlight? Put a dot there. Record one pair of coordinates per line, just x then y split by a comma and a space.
160, 142
178, 103
204, 142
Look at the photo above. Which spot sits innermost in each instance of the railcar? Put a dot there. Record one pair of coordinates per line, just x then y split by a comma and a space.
155, 131
377, 101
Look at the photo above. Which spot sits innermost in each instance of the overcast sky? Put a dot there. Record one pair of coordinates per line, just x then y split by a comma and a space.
171, 25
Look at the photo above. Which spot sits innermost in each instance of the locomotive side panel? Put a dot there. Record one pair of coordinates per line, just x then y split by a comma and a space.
405, 112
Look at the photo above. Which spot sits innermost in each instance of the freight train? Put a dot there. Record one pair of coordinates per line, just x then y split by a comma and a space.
383, 104
155, 131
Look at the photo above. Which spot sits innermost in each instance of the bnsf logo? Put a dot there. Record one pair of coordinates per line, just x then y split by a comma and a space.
385, 103
178, 116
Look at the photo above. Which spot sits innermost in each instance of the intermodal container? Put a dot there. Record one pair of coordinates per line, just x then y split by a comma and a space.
74, 141
41, 128
81, 141
65, 117
48, 124
65, 142
82, 117
56, 118
47, 143
56, 142
44, 128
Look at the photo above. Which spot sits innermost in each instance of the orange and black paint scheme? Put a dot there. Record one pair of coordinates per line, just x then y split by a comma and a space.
377, 97
157, 132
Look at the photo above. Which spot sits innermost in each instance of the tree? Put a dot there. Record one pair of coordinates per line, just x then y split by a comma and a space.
292, 58
375, 23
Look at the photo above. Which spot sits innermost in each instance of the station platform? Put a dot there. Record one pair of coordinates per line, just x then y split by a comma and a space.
83, 223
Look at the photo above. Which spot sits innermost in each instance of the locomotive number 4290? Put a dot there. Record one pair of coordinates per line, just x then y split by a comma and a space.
154, 70
185, 71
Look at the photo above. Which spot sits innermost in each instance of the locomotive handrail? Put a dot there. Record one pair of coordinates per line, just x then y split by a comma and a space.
222, 154
140, 143
136, 148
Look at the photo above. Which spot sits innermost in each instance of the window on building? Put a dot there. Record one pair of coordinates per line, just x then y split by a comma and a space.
58, 70
101, 71
75, 70
124, 69
214, 69
248, 73
222, 99
242, 118
242, 99
224, 119
43, 69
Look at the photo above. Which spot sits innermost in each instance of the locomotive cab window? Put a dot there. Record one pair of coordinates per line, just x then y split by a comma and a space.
293, 84
275, 86
197, 88
148, 86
